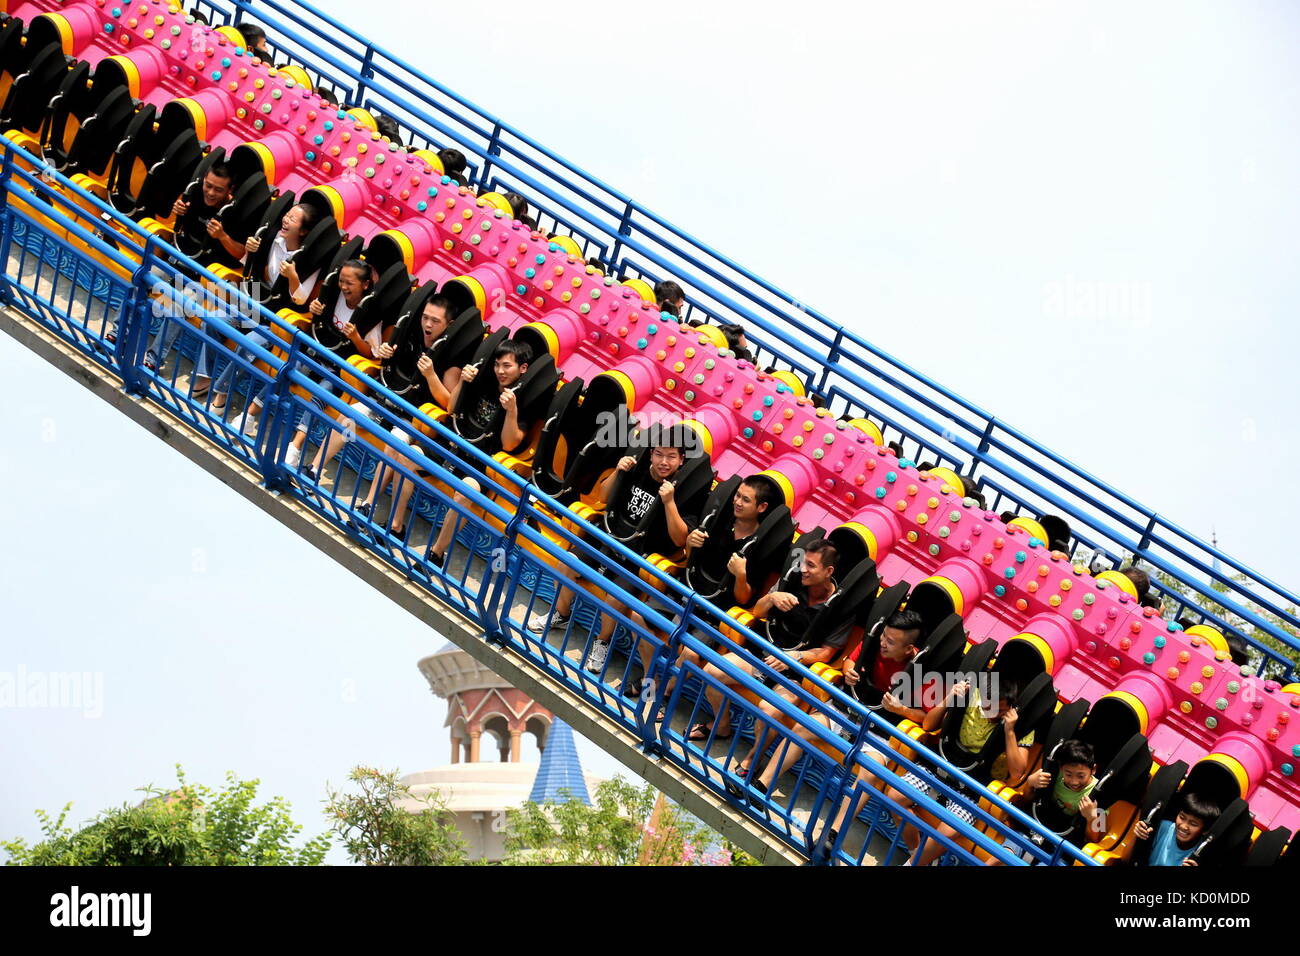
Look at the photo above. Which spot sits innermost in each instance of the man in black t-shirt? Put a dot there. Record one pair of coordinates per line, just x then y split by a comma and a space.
666, 534
792, 613
197, 225
498, 414
721, 557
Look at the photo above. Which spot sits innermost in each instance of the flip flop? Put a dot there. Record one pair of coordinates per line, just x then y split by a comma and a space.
702, 731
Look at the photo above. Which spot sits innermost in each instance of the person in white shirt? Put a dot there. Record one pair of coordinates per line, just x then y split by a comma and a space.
297, 223
294, 227
356, 279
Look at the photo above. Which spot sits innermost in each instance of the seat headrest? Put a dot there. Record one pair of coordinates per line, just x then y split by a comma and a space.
942, 648
1124, 774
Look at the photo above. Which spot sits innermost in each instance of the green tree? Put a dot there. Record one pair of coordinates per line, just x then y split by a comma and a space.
624, 825
377, 832
191, 825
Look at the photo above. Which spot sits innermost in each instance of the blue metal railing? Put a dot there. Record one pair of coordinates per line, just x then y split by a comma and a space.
856, 376
104, 294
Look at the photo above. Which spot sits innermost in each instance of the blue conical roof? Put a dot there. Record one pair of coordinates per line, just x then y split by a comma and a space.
559, 777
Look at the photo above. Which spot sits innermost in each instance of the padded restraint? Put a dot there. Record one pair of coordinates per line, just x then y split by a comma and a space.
577, 429
692, 482
767, 549
319, 249
1157, 804
850, 602
267, 228
602, 405
1270, 848
1124, 775
138, 149
28, 100
92, 148
453, 349
168, 177
71, 104
1037, 700
533, 390
1227, 841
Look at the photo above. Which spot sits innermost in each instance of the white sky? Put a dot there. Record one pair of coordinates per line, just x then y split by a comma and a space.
930, 177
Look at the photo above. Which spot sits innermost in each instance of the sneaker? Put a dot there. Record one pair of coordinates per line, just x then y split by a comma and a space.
558, 623
292, 457
245, 423
150, 362
596, 657
362, 517
310, 474
111, 337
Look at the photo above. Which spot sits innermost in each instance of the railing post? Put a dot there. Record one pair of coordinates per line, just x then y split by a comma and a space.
832, 357
367, 72
1146, 535
496, 634
494, 149
271, 445
6, 225
658, 672
133, 328
624, 230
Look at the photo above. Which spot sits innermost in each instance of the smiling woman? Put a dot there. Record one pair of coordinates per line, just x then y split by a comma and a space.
1018, 228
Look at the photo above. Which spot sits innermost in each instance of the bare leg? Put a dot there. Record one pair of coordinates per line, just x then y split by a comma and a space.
687, 656
933, 848
405, 489
440, 545
721, 710
326, 452
768, 716
788, 755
